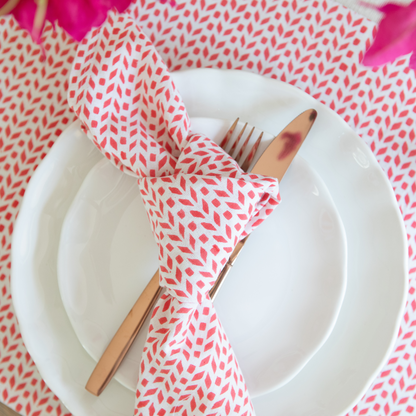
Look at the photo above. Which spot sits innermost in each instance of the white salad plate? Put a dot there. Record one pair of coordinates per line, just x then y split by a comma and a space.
341, 371
278, 304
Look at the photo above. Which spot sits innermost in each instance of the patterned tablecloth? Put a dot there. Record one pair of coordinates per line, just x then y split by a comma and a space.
314, 45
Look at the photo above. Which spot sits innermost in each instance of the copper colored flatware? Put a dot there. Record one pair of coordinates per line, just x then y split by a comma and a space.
274, 162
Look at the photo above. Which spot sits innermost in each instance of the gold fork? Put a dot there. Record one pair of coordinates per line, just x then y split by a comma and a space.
117, 349
244, 166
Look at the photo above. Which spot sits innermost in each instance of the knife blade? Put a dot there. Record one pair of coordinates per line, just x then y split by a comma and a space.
274, 162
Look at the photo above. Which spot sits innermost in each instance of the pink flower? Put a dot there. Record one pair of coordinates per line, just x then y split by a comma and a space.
77, 17
396, 36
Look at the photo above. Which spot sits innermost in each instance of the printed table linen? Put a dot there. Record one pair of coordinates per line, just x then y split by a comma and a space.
314, 45
199, 204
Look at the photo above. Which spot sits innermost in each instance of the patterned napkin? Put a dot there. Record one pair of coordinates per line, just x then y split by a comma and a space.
199, 204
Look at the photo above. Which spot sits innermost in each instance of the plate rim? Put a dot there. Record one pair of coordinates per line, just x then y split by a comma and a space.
369, 154
335, 306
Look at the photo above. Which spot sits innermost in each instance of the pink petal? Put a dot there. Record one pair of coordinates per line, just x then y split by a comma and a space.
24, 13
121, 5
389, 8
395, 36
412, 61
77, 17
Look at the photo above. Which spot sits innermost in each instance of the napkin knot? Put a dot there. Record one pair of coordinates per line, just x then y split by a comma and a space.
199, 214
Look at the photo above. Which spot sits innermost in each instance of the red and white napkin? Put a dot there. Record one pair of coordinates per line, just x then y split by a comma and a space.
199, 204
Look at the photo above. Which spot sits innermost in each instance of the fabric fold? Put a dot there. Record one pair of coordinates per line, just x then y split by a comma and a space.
199, 204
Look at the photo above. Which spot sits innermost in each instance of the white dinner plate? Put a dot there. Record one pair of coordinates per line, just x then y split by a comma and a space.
366, 329
278, 305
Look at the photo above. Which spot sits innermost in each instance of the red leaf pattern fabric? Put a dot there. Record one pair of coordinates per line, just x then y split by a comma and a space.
315, 46
199, 203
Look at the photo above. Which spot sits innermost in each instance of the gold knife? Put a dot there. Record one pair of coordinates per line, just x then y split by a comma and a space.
274, 162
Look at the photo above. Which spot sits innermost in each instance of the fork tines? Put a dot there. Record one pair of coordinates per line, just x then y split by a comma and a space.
238, 157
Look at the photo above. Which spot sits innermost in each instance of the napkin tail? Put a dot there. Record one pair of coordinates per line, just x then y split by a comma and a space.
188, 366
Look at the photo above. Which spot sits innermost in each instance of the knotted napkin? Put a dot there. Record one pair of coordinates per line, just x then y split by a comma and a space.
199, 204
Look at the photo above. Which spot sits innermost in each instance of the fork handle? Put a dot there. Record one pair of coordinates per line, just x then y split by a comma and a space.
117, 349
224, 272
114, 354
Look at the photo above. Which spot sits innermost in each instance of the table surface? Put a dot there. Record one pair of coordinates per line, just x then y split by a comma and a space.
6, 411
371, 14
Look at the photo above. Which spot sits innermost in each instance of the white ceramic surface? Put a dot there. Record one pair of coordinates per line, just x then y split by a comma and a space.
365, 331
280, 301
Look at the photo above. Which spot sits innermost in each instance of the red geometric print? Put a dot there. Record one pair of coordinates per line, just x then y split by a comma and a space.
187, 361
33, 113
199, 206
314, 45
122, 90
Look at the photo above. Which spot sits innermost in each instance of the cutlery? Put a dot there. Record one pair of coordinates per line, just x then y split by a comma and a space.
274, 162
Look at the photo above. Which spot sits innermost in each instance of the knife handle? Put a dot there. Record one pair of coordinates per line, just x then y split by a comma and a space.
113, 355
117, 349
